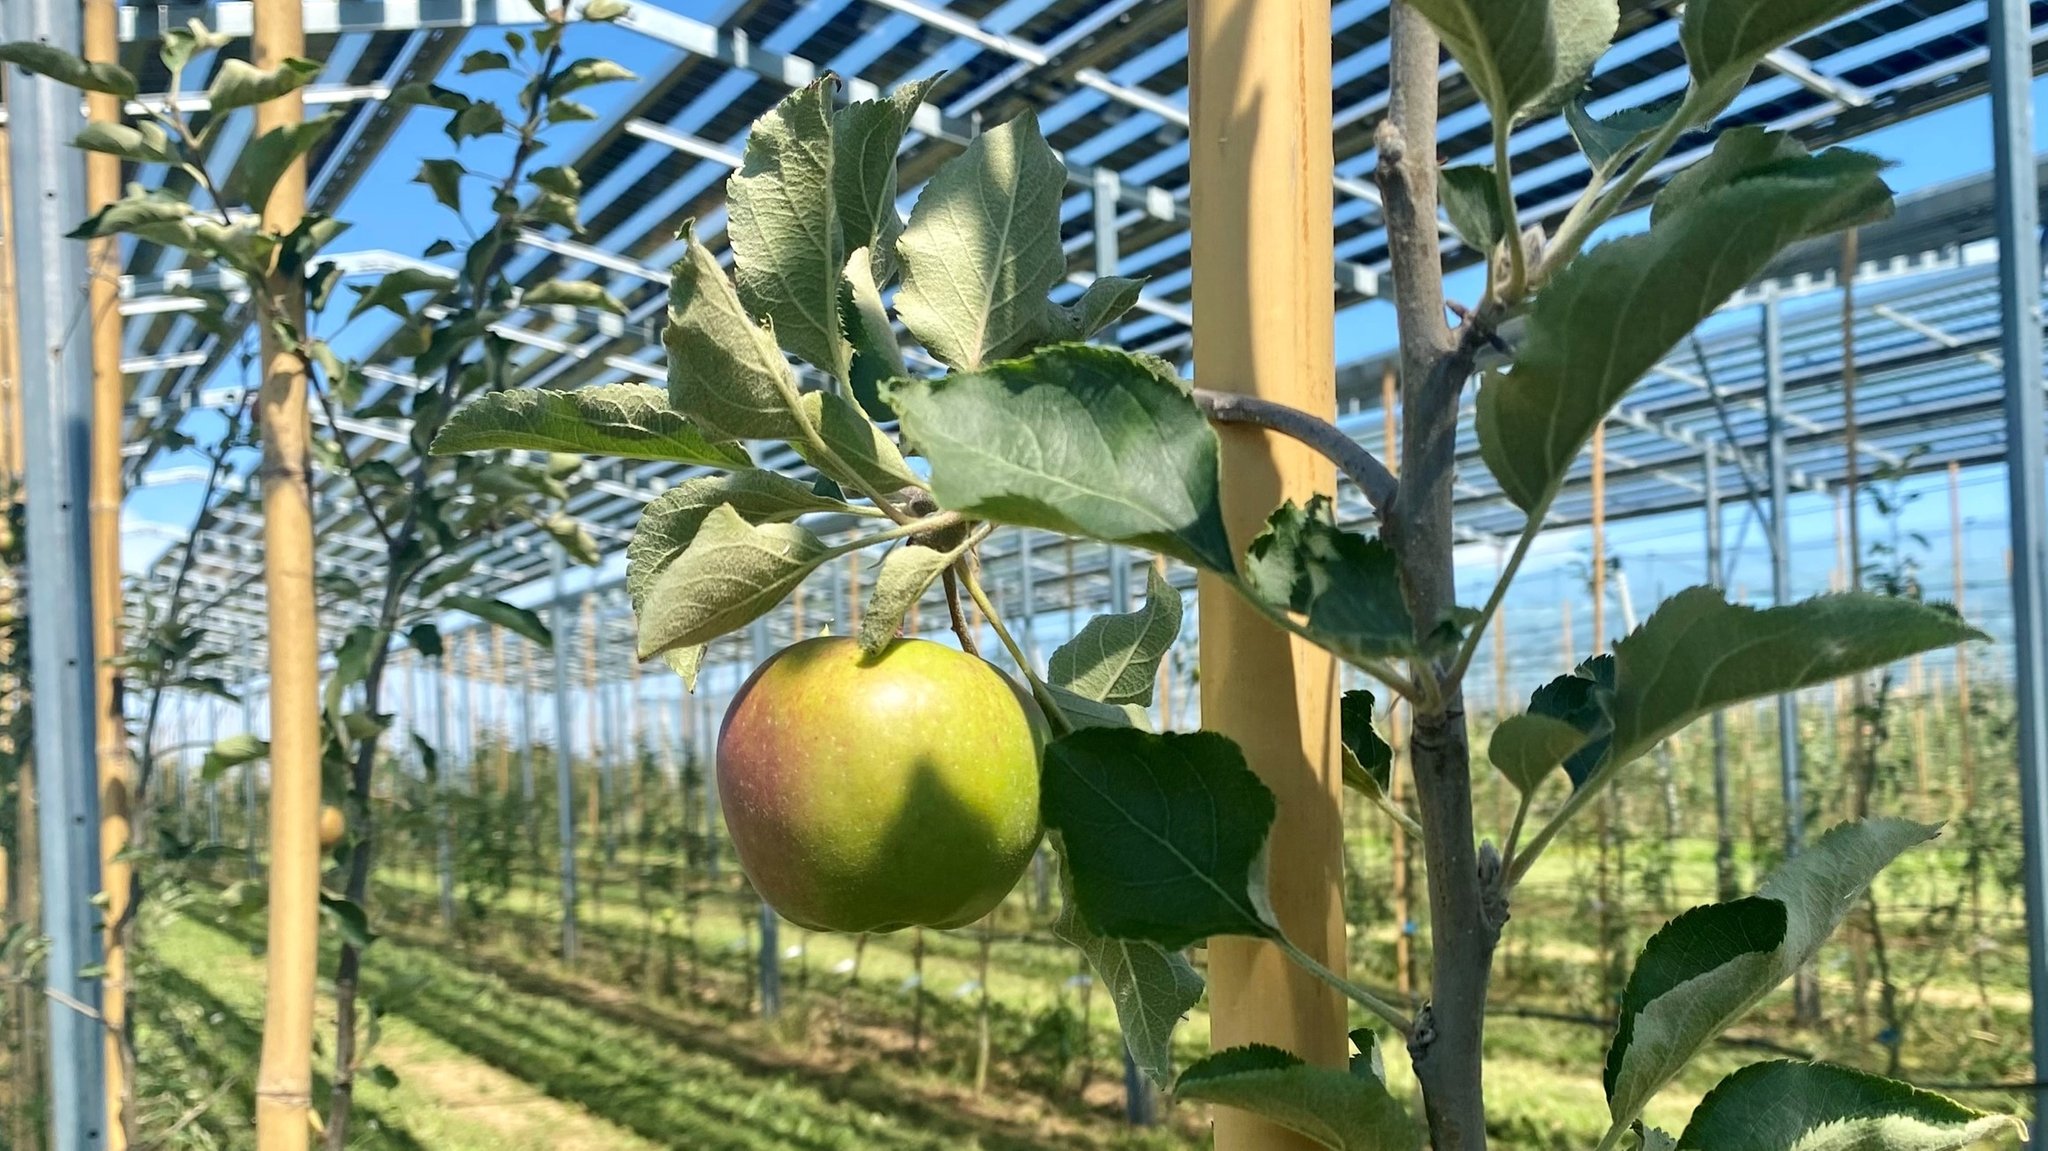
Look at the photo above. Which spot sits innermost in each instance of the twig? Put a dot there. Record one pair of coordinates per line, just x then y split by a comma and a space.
1350, 456
959, 614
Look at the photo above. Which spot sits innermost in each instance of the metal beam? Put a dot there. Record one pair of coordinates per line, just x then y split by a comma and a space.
48, 190
2019, 303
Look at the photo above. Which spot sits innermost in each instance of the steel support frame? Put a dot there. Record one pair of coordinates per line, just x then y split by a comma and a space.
2019, 272
56, 413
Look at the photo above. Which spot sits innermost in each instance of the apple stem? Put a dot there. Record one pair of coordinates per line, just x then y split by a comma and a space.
959, 613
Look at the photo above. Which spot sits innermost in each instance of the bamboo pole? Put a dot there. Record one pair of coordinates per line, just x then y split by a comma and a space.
284, 1080
1966, 754
1260, 160
109, 397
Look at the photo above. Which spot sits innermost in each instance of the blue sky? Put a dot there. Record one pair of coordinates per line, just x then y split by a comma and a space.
392, 213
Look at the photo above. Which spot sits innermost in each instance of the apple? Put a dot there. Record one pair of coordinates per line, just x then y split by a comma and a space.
878, 793
333, 825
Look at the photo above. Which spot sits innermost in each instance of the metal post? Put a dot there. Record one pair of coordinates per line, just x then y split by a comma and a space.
771, 949
605, 746
56, 416
2019, 282
1805, 992
709, 729
565, 787
1724, 838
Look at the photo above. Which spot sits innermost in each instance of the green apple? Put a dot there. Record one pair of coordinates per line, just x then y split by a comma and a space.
873, 794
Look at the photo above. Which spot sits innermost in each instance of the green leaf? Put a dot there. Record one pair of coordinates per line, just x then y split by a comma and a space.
1784, 1105
605, 10
240, 84
1151, 987
1526, 748
233, 751
731, 573
390, 291
381, 1075
625, 421
1583, 699
1611, 314
181, 44
349, 920
481, 118
1609, 142
1508, 48
561, 179
1101, 303
517, 620
1471, 198
351, 665
1075, 439
144, 142
724, 371
1583, 29
1115, 658
869, 454
264, 161
574, 538
485, 61
425, 639
1724, 40
1368, 761
670, 522
1704, 970
575, 293
906, 574
1342, 1110
1348, 587
65, 68
876, 356
983, 249
445, 178
866, 135
686, 662
555, 208
569, 112
585, 73
788, 252
1748, 153
1166, 834
156, 216
1083, 712
1697, 653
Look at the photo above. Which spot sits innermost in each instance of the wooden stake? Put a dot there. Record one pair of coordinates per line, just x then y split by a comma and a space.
284, 1080
1260, 160
109, 398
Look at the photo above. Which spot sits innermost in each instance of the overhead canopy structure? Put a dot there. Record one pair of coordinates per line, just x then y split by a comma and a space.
1108, 81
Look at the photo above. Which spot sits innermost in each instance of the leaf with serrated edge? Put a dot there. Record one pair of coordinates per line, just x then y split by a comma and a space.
240, 84
1787, 1105
1338, 1109
1166, 833
1152, 988
626, 421
1526, 748
786, 243
866, 135
1608, 141
731, 574
905, 575
1100, 304
1697, 653
1347, 586
1704, 970
725, 372
1471, 199
670, 522
68, 68
983, 249
877, 357
1508, 48
686, 662
1611, 314
1075, 439
1115, 658
1724, 40
869, 454
1583, 30
232, 751
1084, 712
